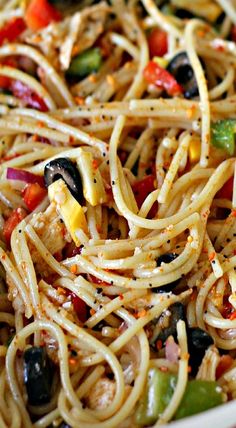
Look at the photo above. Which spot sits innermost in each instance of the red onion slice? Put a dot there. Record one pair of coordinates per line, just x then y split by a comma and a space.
171, 350
22, 175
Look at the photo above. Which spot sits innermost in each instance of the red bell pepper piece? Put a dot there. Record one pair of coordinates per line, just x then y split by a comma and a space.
141, 190
11, 30
40, 13
161, 78
33, 194
157, 42
15, 218
80, 307
226, 191
225, 363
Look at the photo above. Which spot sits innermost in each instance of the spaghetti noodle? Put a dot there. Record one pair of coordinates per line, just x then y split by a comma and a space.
117, 211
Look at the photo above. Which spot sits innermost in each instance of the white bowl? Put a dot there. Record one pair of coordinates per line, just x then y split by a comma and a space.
221, 417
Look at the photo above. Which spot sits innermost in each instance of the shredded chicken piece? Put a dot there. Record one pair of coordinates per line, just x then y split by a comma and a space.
210, 361
101, 394
71, 36
51, 231
14, 296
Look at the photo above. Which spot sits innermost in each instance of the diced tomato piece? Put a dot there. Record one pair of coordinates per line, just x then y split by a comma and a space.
228, 309
96, 280
157, 42
226, 191
15, 218
33, 194
80, 307
141, 190
225, 363
4, 82
40, 13
22, 91
11, 30
161, 78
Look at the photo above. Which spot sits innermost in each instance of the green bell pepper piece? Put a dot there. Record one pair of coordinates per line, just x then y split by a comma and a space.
85, 63
222, 135
198, 397
159, 390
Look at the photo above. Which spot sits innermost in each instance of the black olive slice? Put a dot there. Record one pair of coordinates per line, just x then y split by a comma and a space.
64, 168
182, 70
166, 258
177, 311
37, 375
184, 13
198, 342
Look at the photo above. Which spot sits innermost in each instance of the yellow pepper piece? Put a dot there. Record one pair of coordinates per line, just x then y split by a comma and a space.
160, 61
194, 150
69, 209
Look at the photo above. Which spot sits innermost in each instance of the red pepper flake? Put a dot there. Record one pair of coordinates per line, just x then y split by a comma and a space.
79, 101
92, 311
141, 313
211, 256
95, 164
159, 344
72, 361
73, 269
121, 297
164, 369
40, 124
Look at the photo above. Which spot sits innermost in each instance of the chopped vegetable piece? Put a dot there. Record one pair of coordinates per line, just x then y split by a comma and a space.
40, 13
11, 30
80, 308
160, 77
22, 175
224, 365
85, 63
157, 42
194, 150
222, 135
166, 258
181, 69
142, 189
228, 308
198, 342
226, 191
25, 93
15, 218
64, 168
177, 311
69, 209
233, 33
199, 396
37, 375
33, 194
158, 393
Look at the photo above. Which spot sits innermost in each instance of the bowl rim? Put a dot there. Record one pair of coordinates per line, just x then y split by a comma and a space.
223, 416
